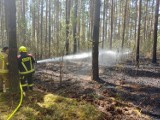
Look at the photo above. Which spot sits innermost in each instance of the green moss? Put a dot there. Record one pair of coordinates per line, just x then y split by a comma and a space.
52, 107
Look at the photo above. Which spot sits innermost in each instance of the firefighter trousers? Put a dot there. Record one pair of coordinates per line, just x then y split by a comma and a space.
26, 82
4, 83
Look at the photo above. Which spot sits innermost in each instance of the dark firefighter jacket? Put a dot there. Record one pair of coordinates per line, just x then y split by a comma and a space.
25, 64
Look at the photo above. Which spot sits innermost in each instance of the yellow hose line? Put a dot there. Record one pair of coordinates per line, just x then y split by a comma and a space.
11, 115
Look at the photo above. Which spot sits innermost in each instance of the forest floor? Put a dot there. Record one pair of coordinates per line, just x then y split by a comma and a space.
124, 92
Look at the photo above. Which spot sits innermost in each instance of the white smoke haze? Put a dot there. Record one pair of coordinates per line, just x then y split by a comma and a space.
106, 57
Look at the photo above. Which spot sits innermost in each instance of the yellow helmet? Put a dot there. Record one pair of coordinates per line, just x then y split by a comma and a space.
22, 49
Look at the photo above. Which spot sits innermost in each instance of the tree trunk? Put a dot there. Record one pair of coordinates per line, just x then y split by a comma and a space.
124, 24
2, 23
10, 10
46, 37
154, 55
95, 45
68, 2
34, 26
57, 25
75, 28
138, 35
24, 23
83, 30
79, 25
135, 29
104, 17
111, 35
41, 49
49, 39
145, 20
38, 30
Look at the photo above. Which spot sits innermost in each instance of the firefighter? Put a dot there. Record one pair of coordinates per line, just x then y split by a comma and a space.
4, 69
26, 68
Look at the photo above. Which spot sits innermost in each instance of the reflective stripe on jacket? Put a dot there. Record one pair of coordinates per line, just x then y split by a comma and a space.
3, 62
25, 64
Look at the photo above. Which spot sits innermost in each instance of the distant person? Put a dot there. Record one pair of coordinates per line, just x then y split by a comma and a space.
4, 69
26, 69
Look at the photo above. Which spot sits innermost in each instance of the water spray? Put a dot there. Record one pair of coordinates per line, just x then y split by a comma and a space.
106, 57
67, 57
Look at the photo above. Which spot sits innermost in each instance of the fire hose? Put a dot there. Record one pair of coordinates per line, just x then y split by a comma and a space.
20, 102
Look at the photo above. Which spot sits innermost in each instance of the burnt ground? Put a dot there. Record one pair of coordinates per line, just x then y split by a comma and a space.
141, 86
123, 91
